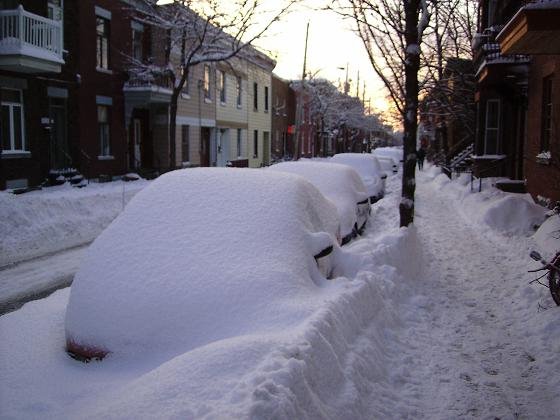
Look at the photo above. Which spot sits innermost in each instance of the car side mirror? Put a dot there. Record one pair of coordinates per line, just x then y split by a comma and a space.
324, 252
536, 256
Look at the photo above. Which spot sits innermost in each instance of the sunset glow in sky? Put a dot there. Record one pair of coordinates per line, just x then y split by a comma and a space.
331, 45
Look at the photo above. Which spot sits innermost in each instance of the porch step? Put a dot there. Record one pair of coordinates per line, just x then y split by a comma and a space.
512, 186
61, 176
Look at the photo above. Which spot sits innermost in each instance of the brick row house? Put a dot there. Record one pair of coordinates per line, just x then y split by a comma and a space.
518, 95
534, 30
61, 95
69, 105
283, 119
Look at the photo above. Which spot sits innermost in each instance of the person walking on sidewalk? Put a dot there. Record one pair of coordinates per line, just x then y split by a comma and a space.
421, 155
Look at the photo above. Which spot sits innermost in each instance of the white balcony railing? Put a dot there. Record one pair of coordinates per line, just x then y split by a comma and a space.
26, 33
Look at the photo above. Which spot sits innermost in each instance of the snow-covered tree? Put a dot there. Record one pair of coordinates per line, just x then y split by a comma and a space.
194, 32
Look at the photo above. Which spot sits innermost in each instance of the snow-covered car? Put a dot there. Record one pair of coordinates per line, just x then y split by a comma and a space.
340, 184
396, 153
388, 164
196, 257
369, 169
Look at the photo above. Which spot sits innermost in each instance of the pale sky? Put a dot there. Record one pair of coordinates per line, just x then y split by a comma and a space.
331, 45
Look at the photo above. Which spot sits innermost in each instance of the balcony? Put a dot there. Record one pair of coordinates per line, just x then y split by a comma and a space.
143, 91
149, 89
29, 43
533, 30
490, 64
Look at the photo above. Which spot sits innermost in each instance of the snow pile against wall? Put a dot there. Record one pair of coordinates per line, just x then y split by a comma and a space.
492, 209
57, 218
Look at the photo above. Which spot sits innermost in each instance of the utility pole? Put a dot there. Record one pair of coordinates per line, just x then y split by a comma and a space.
300, 110
358, 86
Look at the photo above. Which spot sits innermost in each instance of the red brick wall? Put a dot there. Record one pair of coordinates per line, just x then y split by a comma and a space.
543, 179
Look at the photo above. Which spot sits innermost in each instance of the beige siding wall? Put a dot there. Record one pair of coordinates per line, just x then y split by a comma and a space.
195, 111
258, 119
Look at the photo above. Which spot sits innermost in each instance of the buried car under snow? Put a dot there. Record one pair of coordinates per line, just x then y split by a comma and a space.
369, 169
201, 255
340, 184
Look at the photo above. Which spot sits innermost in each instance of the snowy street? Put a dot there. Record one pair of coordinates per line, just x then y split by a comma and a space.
39, 277
437, 321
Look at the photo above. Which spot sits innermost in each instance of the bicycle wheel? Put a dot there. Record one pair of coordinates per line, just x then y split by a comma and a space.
554, 281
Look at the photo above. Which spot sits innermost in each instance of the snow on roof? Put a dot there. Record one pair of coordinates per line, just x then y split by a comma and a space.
339, 183
200, 255
544, 4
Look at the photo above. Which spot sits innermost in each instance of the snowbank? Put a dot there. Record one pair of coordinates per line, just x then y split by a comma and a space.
506, 213
57, 218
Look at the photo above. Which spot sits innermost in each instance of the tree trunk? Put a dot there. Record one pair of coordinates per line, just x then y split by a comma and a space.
172, 129
412, 65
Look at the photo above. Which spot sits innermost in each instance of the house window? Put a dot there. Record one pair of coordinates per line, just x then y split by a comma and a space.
104, 130
238, 91
103, 34
256, 143
239, 150
222, 86
137, 42
255, 96
13, 135
207, 82
492, 129
186, 86
266, 99
546, 120
185, 142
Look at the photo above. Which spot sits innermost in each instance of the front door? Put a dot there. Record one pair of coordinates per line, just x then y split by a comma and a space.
137, 142
205, 133
60, 156
223, 147
266, 148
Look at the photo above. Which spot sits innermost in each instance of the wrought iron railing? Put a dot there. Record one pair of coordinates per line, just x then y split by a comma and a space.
147, 81
487, 50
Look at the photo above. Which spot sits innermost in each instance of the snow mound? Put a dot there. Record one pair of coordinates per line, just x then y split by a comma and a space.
547, 236
202, 255
491, 209
514, 215
57, 218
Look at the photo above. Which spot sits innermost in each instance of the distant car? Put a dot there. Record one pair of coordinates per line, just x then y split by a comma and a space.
396, 153
192, 255
388, 164
369, 169
340, 184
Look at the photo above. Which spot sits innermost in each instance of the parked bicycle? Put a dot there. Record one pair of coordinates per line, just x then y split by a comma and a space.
553, 266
